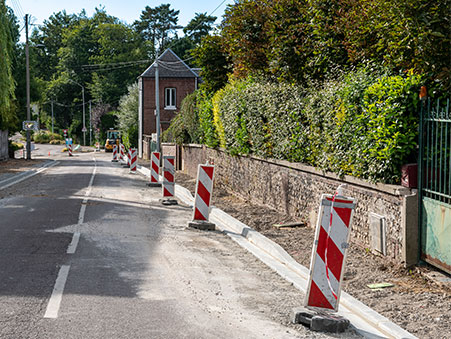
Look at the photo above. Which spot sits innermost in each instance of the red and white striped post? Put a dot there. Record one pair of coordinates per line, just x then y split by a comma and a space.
329, 252
69, 148
155, 170
168, 180
204, 190
133, 159
333, 230
122, 152
127, 157
114, 153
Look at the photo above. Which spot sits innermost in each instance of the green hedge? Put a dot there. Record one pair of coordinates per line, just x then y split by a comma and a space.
363, 124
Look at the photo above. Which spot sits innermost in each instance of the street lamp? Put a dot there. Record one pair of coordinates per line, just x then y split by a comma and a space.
84, 120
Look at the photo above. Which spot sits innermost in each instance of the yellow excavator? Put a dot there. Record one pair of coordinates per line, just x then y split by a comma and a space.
113, 137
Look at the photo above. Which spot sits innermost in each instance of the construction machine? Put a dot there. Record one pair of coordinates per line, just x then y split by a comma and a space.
113, 137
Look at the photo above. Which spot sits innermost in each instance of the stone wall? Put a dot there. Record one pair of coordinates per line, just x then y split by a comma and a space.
4, 145
296, 190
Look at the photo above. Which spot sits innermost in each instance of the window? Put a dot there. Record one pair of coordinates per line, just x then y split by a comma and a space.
169, 98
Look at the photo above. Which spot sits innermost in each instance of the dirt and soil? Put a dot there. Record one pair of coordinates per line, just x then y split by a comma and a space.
419, 305
18, 165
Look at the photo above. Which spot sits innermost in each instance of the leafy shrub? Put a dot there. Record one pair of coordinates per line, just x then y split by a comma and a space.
389, 119
44, 137
185, 126
57, 142
41, 137
209, 135
16, 146
362, 123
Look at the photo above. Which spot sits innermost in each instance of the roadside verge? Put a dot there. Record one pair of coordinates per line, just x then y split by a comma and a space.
12, 180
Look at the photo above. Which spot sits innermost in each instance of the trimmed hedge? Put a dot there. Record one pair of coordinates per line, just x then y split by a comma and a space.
363, 124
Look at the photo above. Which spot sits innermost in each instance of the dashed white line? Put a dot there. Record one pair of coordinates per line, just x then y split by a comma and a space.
57, 294
74, 243
81, 216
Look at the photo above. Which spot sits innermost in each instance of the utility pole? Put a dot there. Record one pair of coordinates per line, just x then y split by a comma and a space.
52, 116
157, 102
27, 58
84, 119
90, 122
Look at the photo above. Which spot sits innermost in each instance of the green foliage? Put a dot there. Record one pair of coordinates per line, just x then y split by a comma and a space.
363, 123
158, 25
8, 117
296, 40
209, 56
199, 27
209, 135
44, 137
127, 116
391, 123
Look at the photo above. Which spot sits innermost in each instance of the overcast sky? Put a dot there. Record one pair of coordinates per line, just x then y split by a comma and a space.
128, 10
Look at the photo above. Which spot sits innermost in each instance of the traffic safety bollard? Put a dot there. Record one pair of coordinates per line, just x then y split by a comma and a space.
114, 153
122, 152
204, 190
69, 148
155, 170
133, 159
168, 180
331, 243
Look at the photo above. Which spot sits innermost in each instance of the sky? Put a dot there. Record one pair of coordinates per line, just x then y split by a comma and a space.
127, 11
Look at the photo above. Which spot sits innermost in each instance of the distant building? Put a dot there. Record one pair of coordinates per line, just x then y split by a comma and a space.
176, 81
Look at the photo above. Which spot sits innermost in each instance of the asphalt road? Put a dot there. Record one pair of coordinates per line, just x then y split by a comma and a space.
133, 269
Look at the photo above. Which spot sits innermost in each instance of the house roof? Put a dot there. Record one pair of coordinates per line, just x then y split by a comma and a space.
170, 66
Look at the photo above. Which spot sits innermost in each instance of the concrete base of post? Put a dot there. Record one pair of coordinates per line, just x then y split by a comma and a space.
168, 201
154, 184
321, 322
202, 225
114, 161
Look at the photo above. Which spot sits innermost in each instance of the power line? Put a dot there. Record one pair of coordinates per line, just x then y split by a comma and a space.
18, 8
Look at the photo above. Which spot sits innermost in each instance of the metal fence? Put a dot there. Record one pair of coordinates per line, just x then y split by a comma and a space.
435, 184
435, 151
3, 145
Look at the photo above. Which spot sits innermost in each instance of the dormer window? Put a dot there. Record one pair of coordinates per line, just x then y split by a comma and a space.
169, 98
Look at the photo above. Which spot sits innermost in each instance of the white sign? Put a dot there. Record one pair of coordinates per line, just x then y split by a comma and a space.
30, 125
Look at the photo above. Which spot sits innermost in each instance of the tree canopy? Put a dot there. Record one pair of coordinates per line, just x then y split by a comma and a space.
8, 34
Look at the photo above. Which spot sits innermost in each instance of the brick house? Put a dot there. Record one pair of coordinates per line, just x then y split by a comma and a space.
176, 80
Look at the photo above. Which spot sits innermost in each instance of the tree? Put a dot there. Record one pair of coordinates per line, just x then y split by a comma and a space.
245, 38
214, 64
8, 118
127, 115
199, 26
158, 25
49, 37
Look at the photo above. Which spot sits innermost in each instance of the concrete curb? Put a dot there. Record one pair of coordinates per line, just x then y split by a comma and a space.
362, 317
27, 174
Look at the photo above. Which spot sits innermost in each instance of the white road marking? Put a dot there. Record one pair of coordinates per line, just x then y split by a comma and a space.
57, 294
26, 176
81, 216
74, 243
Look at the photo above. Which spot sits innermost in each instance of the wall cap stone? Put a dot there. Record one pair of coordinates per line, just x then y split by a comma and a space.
395, 190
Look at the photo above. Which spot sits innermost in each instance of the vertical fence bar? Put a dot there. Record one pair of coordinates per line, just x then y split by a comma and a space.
442, 198
429, 142
425, 116
421, 163
435, 148
449, 167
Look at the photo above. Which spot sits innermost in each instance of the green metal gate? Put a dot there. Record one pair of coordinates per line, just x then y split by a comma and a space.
435, 184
